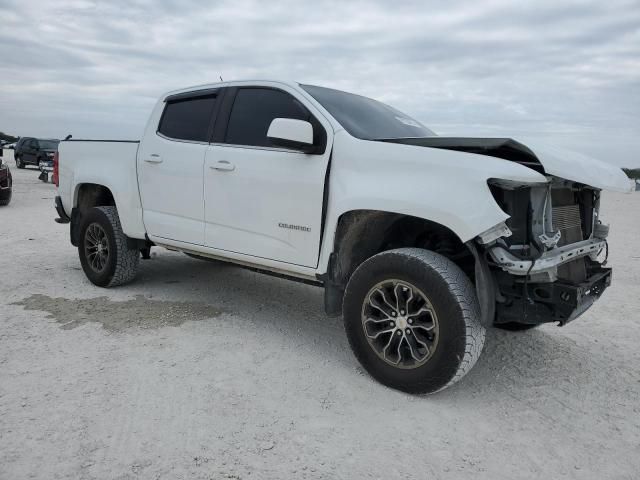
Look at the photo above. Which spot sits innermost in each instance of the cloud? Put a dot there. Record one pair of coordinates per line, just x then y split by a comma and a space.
566, 72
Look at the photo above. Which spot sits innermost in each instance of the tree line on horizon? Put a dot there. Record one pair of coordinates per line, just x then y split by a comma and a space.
633, 173
8, 138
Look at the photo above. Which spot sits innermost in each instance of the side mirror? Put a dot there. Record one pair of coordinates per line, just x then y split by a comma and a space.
291, 133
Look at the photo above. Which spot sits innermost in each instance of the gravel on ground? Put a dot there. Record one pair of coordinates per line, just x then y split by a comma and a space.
206, 370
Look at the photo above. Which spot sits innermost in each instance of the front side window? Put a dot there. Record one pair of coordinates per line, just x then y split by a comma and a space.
253, 111
188, 119
366, 118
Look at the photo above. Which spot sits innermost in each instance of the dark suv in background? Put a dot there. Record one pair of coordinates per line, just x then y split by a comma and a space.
34, 151
5, 182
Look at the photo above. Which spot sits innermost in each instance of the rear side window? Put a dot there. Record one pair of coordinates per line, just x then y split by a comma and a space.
253, 111
188, 119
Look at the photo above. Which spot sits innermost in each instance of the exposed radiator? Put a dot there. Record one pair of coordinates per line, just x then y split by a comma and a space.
566, 217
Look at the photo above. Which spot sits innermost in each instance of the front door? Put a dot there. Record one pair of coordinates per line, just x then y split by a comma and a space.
264, 201
170, 169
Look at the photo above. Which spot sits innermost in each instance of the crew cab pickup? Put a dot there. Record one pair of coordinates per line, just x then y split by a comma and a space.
419, 241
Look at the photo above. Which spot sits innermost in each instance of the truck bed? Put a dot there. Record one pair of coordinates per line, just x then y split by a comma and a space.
111, 163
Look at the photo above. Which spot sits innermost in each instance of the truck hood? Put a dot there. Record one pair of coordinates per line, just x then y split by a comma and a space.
545, 159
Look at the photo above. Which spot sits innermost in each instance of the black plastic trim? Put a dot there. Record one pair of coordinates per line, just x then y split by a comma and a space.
74, 227
292, 145
325, 203
205, 92
63, 217
333, 288
485, 285
94, 140
223, 115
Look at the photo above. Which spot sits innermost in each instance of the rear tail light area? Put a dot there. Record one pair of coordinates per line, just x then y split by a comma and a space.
56, 169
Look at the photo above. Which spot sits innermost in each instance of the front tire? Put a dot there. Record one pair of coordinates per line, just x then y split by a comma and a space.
106, 259
19, 162
413, 320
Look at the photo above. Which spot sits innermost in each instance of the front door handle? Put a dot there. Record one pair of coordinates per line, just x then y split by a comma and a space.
223, 165
153, 158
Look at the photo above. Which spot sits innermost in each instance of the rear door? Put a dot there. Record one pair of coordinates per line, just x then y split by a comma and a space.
260, 200
170, 167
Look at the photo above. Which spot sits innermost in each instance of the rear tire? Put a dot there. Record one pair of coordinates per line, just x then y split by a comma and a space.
106, 259
19, 162
399, 346
5, 200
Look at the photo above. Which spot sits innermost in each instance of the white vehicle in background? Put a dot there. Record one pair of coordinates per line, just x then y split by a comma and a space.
419, 241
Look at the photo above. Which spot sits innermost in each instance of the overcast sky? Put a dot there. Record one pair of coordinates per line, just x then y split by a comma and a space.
565, 72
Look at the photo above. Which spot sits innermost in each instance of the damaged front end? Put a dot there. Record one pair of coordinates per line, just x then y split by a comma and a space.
546, 261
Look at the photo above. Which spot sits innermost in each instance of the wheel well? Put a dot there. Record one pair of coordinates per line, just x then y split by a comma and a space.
92, 195
89, 195
363, 233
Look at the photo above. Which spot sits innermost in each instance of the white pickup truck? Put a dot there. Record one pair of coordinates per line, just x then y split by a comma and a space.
419, 241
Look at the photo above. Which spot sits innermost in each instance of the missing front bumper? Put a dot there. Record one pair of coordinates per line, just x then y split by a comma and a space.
559, 301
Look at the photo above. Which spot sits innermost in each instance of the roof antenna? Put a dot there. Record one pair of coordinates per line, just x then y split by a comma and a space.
221, 78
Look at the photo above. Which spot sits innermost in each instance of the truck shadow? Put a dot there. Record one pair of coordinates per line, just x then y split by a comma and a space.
511, 361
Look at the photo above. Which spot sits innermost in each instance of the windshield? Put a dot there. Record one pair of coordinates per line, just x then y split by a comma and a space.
48, 144
366, 118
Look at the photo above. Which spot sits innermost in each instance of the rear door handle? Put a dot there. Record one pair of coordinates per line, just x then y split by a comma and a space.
153, 158
223, 165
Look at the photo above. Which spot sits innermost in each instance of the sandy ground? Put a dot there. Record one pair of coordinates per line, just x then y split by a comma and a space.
207, 371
